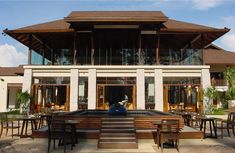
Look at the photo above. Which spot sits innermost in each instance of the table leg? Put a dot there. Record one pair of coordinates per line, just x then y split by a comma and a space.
26, 127
22, 129
204, 129
210, 128
215, 128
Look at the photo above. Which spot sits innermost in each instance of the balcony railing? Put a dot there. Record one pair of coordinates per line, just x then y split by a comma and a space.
218, 82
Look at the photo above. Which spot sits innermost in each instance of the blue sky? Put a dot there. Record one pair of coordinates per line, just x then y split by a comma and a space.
16, 14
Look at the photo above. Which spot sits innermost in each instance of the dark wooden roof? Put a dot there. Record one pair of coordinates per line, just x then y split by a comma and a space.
11, 71
60, 32
116, 16
218, 57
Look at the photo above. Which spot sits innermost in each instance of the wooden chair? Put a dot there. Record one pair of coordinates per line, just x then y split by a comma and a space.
57, 131
228, 124
168, 132
9, 121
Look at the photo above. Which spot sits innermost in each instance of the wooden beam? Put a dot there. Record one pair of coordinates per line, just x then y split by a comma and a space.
43, 54
92, 48
74, 48
202, 46
157, 48
40, 41
139, 48
191, 42
52, 57
30, 50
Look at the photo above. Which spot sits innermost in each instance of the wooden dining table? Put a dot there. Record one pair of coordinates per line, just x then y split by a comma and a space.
26, 120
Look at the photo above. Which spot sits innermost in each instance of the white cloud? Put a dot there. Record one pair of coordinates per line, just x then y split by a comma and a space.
10, 56
206, 4
228, 42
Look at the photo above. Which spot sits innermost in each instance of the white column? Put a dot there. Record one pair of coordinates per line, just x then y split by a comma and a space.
27, 80
140, 89
205, 82
92, 89
158, 81
73, 104
3, 96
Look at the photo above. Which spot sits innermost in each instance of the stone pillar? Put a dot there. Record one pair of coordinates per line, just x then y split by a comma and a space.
205, 82
27, 80
92, 89
140, 89
3, 96
158, 81
73, 102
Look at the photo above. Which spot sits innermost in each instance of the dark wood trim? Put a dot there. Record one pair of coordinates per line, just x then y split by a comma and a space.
157, 48
74, 48
139, 48
202, 46
52, 57
30, 50
43, 53
92, 48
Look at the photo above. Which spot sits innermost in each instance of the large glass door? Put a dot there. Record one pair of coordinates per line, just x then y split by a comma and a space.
110, 94
53, 96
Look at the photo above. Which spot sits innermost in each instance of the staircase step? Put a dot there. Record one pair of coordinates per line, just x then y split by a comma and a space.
118, 145
118, 122
118, 138
117, 134
118, 130
117, 126
117, 119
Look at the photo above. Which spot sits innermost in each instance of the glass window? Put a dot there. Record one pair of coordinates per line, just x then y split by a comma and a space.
82, 90
149, 90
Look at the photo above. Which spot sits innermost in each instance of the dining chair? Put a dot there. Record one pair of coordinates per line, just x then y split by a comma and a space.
57, 130
9, 121
227, 124
169, 132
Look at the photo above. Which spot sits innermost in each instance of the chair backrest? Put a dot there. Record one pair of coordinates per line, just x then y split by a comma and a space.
231, 117
3, 117
56, 125
170, 125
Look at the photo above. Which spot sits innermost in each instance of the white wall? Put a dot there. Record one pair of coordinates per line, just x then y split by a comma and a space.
3, 89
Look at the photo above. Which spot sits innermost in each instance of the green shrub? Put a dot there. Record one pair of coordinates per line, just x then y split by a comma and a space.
217, 111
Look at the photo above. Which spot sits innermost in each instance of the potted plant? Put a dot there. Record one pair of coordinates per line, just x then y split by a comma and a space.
229, 75
211, 94
24, 99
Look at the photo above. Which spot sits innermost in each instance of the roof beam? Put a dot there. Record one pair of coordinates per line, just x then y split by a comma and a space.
35, 37
191, 42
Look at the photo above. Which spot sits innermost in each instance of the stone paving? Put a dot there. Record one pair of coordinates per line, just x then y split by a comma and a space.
37, 145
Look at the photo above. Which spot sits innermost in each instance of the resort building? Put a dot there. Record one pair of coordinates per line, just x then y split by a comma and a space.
93, 59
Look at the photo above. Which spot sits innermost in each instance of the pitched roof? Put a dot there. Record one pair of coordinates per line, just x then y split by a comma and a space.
116, 16
181, 25
52, 26
63, 26
218, 56
11, 71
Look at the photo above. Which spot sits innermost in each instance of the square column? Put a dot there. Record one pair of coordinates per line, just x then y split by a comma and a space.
158, 81
73, 102
92, 89
140, 89
205, 82
27, 80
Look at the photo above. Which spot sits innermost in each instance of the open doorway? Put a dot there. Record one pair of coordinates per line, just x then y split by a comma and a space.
111, 94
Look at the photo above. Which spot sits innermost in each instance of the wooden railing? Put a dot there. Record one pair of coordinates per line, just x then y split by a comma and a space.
218, 82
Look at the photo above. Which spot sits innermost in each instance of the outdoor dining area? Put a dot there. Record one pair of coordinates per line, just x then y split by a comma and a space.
23, 126
65, 130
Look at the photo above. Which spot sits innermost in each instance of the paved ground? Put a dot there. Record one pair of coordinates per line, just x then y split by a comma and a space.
29, 145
